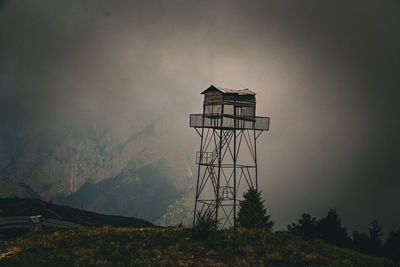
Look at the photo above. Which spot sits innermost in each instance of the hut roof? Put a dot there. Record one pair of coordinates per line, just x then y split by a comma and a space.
229, 91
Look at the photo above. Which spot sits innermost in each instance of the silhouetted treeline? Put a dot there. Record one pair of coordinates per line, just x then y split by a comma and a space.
330, 229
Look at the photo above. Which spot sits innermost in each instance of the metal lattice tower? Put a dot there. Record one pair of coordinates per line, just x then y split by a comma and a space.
227, 160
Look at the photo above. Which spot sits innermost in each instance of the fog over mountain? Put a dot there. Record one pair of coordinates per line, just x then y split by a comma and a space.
95, 94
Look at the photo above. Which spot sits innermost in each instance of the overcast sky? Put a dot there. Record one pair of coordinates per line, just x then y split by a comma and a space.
326, 72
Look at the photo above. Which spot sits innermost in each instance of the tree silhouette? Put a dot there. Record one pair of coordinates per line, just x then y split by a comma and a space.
369, 244
392, 245
361, 242
307, 227
375, 234
252, 213
330, 229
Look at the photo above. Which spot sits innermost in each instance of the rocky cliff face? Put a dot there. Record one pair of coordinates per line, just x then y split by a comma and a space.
143, 192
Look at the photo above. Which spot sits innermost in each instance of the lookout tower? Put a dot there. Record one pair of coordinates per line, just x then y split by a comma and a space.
227, 160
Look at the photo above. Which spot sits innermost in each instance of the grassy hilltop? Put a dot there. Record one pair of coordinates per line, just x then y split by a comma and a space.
107, 246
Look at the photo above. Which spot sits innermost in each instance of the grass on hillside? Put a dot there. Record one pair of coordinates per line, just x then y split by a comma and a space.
107, 246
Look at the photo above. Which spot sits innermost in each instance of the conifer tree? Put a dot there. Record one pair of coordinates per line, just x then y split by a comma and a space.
331, 230
307, 227
252, 213
375, 234
392, 245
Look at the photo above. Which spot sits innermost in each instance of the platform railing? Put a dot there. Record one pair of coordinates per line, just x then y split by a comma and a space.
228, 122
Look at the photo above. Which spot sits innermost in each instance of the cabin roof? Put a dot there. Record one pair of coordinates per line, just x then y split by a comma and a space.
229, 91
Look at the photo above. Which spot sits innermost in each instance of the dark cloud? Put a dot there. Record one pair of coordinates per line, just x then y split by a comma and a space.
326, 73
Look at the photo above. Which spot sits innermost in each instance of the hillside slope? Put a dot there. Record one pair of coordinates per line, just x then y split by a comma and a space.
29, 207
108, 246
11, 188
